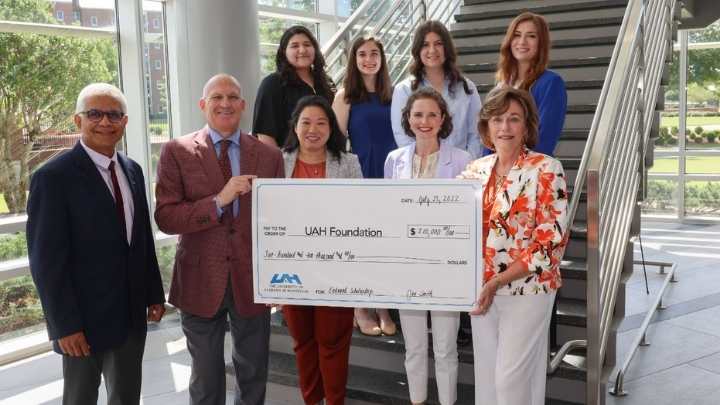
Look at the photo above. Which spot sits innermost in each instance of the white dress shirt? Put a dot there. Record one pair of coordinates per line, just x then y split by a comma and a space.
102, 163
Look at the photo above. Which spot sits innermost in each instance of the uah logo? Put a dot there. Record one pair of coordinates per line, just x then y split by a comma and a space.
285, 278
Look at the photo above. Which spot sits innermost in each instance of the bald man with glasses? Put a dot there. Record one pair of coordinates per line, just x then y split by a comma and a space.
92, 255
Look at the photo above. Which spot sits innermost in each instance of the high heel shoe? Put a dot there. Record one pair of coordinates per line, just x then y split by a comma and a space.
387, 325
365, 323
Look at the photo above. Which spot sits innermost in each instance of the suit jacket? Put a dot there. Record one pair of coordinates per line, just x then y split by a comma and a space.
348, 167
528, 221
209, 253
451, 162
89, 279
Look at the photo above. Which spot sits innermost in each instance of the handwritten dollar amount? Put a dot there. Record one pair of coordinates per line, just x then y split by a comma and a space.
439, 231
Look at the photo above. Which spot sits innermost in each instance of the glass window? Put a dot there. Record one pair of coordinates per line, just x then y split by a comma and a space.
46, 98
156, 89
304, 5
705, 164
271, 29
346, 7
662, 198
665, 165
702, 198
76, 16
93, 21
60, 15
156, 23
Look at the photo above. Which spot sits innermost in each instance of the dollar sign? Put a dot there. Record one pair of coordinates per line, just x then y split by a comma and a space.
412, 231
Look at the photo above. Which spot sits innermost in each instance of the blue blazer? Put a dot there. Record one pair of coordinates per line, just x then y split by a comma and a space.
451, 162
87, 276
550, 97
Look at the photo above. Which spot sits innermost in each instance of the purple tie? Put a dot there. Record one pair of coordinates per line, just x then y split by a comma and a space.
227, 174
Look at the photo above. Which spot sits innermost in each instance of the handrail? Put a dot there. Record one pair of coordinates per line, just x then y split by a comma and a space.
612, 166
394, 26
555, 361
351, 21
641, 337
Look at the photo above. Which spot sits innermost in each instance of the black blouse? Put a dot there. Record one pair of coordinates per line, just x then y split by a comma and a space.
275, 102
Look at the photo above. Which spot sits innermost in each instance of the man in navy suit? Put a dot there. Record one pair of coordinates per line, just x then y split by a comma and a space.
92, 255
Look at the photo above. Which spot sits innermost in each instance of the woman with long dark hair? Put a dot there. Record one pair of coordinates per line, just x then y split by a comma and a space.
363, 110
435, 65
300, 71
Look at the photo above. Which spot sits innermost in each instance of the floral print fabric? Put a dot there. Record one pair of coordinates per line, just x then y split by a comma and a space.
528, 221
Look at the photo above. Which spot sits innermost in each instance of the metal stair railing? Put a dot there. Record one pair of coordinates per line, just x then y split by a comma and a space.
612, 168
393, 23
618, 388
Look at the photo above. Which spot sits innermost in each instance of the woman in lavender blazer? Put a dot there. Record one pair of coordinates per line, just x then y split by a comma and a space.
425, 118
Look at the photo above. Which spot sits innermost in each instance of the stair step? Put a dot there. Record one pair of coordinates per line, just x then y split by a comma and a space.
387, 387
512, 9
573, 268
571, 312
489, 53
563, 43
577, 69
556, 64
553, 26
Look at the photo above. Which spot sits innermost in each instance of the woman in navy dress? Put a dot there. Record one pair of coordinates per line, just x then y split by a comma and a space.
362, 107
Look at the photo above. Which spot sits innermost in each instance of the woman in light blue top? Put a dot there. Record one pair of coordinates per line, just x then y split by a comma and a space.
434, 65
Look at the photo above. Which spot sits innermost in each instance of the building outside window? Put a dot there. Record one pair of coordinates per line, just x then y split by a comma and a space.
684, 182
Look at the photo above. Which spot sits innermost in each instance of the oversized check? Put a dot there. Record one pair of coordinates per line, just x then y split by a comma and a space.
367, 243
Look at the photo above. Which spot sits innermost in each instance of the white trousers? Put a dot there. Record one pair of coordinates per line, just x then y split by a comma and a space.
510, 345
445, 327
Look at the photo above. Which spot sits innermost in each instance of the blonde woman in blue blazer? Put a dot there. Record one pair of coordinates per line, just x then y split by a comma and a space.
426, 119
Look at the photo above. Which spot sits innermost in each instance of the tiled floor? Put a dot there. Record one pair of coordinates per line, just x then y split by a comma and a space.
682, 364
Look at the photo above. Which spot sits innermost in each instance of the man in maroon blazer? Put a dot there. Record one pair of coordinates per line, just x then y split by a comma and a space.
203, 194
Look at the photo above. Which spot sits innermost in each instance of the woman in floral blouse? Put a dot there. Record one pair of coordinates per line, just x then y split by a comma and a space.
524, 236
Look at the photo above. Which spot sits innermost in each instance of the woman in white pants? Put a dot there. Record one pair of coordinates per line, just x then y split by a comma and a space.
426, 119
524, 237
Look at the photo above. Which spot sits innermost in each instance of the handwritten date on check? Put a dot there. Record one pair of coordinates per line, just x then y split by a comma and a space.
412, 244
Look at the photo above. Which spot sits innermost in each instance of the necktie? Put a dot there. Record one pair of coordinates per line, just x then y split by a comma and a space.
119, 205
227, 174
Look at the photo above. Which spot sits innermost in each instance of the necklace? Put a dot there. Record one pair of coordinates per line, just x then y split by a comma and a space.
499, 180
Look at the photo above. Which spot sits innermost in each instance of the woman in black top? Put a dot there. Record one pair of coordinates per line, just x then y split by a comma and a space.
300, 71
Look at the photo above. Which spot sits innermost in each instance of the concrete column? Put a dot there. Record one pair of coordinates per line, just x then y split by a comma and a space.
327, 29
205, 38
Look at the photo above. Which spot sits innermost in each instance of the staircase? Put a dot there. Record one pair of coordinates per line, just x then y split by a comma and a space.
584, 35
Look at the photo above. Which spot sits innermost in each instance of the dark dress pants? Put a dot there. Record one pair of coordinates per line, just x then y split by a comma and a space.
121, 367
206, 344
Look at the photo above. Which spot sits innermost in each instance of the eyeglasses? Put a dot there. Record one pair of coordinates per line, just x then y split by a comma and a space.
113, 116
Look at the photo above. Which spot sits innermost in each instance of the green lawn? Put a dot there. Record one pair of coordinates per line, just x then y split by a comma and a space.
692, 122
693, 165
